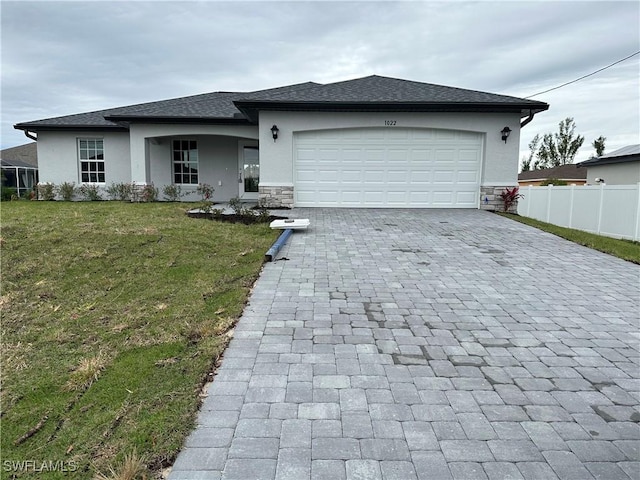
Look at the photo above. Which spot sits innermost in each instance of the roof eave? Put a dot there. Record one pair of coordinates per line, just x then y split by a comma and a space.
251, 108
596, 162
40, 127
178, 119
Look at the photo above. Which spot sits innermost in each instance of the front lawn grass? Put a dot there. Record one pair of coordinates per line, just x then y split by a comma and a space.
625, 249
113, 314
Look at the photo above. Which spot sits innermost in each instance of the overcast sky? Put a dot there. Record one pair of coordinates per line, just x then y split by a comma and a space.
60, 58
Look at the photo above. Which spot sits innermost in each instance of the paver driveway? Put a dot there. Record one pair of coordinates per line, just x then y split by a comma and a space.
427, 344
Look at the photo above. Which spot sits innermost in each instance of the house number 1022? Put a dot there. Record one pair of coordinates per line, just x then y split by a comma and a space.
390, 123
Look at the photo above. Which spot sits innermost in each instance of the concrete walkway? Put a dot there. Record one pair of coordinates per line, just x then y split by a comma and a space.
430, 345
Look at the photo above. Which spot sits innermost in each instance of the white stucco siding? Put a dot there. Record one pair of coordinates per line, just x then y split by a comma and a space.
499, 160
218, 164
140, 133
58, 156
615, 174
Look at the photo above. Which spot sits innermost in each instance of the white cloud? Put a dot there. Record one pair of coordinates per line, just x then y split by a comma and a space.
60, 58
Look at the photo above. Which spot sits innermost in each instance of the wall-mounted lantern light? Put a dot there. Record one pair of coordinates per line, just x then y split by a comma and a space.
505, 133
274, 132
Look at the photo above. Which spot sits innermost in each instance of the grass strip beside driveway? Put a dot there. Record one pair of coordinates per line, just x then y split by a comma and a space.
624, 249
112, 316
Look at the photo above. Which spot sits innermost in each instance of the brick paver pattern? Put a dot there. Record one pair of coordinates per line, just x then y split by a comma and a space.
427, 344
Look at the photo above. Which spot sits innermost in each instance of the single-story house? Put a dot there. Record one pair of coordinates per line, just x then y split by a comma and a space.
620, 167
20, 167
369, 142
569, 173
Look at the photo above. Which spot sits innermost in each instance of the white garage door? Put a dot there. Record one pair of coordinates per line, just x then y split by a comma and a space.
387, 167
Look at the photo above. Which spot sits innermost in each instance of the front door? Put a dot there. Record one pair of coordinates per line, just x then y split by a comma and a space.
249, 172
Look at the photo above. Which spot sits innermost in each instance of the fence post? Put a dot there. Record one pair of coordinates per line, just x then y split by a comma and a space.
573, 188
600, 208
549, 187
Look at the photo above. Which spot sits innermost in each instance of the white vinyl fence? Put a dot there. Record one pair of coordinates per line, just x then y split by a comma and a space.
611, 210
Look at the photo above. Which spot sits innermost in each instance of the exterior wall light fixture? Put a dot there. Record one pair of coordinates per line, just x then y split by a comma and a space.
505, 133
274, 132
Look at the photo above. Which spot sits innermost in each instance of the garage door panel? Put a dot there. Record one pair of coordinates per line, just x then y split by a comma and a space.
374, 155
306, 176
444, 176
442, 198
467, 177
398, 176
325, 176
398, 155
420, 176
393, 167
373, 197
374, 176
350, 176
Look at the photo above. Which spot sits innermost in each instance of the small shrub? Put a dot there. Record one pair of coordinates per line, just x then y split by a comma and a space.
120, 191
236, 205
89, 192
510, 197
553, 181
47, 191
240, 209
263, 213
172, 193
8, 193
206, 192
67, 191
149, 193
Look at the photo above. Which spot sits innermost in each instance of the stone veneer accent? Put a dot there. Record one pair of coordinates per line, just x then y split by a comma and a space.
490, 199
275, 197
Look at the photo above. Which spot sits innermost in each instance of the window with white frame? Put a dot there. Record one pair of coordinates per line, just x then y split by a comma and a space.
91, 154
185, 162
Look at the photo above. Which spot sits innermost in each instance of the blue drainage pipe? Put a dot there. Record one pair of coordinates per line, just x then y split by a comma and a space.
275, 248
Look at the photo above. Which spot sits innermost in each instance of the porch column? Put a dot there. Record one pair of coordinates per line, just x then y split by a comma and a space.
140, 159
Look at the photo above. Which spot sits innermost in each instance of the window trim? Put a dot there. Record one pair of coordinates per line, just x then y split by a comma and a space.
185, 162
89, 161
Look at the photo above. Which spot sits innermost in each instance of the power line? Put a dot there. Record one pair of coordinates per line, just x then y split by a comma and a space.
585, 76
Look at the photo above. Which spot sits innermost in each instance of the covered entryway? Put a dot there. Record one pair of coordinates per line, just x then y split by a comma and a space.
387, 167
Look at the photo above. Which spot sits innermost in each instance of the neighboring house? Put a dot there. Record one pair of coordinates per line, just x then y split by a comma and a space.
370, 142
621, 167
20, 167
569, 173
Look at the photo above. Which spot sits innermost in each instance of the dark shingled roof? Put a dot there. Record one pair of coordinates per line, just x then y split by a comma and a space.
630, 153
20, 156
384, 89
563, 172
368, 93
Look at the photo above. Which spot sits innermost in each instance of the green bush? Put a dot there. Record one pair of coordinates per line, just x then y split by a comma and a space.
90, 192
67, 191
47, 191
149, 193
553, 181
8, 193
172, 193
120, 191
206, 192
